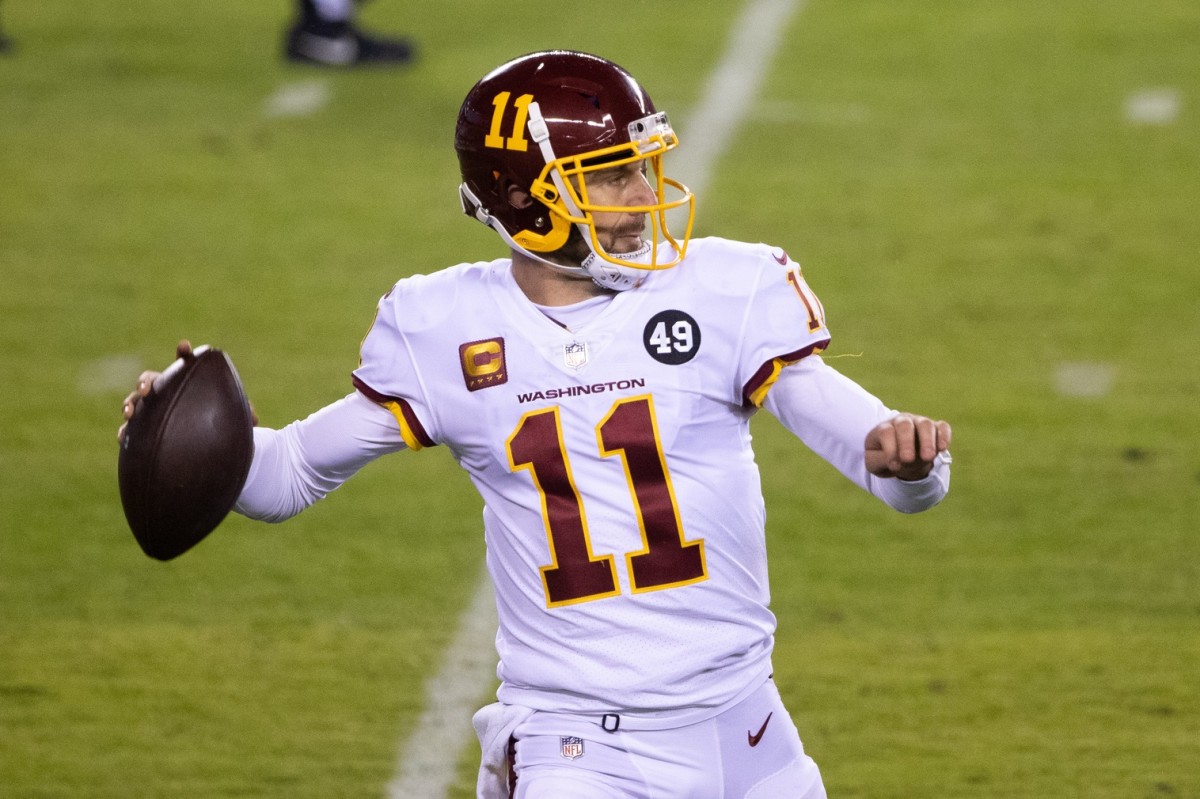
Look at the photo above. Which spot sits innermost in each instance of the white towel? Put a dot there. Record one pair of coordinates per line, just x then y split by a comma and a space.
494, 725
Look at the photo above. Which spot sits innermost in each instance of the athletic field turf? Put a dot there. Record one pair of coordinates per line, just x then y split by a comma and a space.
996, 202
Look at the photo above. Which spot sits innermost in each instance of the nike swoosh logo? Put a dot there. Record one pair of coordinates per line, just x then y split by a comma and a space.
756, 737
780, 259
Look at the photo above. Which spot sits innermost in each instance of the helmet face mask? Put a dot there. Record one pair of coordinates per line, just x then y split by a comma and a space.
563, 188
544, 124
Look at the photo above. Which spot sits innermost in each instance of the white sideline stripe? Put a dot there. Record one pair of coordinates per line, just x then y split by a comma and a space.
298, 99
427, 760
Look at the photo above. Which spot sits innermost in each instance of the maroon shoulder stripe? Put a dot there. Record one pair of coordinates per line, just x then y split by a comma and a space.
767, 369
410, 417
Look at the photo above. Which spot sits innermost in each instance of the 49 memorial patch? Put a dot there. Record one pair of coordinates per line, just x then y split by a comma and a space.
672, 337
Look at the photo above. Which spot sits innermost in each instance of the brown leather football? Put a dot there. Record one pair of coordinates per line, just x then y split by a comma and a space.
186, 454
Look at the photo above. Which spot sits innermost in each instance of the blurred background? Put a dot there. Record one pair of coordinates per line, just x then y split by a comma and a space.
997, 204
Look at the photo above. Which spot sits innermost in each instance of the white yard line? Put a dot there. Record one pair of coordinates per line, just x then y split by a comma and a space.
111, 374
1158, 106
427, 759
1084, 379
298, 99
731, 90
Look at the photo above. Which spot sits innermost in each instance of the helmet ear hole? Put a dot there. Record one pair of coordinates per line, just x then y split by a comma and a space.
517, 197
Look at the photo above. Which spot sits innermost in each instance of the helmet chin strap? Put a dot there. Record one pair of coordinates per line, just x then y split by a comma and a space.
612, 276
472, 206
604, 274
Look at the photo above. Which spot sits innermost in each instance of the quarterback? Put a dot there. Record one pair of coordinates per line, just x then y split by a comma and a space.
597, 384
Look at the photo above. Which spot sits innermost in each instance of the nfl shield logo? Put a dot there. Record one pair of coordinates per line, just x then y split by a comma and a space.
571, 747
575, 354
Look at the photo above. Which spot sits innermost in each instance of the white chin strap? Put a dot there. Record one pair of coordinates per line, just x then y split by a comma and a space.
618, 278
604, 274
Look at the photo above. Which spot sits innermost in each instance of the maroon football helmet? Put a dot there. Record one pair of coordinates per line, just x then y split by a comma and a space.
541, 123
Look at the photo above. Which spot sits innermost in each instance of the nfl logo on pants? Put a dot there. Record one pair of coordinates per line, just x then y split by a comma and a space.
572, 747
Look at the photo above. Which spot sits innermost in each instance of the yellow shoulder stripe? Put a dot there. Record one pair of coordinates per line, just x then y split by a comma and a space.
406, 431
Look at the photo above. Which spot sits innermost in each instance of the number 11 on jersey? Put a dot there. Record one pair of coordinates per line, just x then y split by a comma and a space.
575, 574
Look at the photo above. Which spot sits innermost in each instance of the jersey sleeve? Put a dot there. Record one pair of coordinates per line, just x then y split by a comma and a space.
387, 373
784, 323
832, 415
302, 463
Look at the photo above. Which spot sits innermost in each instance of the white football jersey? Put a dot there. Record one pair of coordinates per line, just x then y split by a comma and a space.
623, 515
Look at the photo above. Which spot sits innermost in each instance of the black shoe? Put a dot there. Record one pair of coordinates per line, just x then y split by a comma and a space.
340, 44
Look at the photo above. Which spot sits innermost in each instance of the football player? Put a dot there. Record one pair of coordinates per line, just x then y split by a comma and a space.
597, 383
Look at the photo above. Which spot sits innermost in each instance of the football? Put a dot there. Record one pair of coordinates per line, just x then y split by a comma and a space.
186, 454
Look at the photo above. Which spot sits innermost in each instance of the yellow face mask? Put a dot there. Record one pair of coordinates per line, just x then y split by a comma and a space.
562, 187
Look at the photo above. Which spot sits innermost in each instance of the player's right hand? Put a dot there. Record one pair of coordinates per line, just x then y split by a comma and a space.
145, 385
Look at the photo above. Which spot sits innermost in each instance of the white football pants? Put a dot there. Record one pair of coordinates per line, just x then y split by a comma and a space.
751, 751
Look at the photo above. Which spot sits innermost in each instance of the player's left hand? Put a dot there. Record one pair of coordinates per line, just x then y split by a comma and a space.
905, 446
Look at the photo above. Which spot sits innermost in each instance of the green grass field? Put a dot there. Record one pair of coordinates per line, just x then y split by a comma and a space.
997, 204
